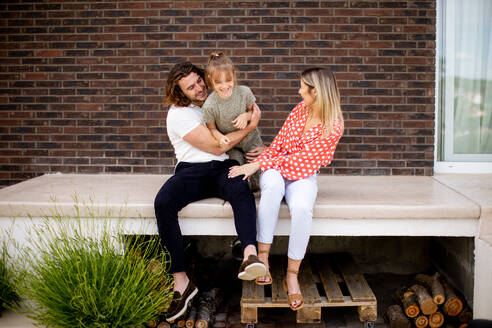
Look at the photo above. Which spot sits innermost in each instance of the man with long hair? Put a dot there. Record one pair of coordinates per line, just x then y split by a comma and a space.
201, 172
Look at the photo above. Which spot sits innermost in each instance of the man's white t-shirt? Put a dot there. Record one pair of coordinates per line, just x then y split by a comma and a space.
181, 121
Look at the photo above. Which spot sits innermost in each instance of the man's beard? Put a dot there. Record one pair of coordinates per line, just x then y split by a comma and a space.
199, 102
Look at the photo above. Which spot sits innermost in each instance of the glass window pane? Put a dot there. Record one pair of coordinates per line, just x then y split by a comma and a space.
466, 80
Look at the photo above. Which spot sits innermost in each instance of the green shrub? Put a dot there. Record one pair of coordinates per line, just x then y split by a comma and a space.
81, 279
8, 295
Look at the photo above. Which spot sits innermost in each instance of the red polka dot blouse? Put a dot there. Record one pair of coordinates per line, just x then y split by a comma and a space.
296, 155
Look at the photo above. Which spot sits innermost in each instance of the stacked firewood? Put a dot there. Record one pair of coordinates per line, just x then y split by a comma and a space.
432, 302
202, 313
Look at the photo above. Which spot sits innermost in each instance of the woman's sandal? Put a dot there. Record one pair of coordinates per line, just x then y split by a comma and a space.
293, 298
268, 276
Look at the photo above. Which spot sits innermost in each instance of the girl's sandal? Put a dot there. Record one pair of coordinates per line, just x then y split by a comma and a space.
268, 276
294, 298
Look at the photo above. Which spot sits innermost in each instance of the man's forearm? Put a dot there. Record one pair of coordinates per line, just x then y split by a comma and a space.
235, 137
217, 135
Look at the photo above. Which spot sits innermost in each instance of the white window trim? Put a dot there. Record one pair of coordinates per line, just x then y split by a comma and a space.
462, 167
436, 86
443, 167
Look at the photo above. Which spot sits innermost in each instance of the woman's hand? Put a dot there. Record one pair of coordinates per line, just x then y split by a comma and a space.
246, 169
253, 153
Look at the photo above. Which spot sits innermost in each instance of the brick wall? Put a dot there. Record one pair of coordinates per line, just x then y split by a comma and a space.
81, 82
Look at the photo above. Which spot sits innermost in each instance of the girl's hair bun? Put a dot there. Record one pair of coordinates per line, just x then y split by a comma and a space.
215, 55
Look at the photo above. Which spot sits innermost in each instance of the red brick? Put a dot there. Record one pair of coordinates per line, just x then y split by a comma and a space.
378, 12
161, 4
202, 28
36, 76
188, 4
348, 12
88, 107
188, 36
305, 36
144, 13
49, 53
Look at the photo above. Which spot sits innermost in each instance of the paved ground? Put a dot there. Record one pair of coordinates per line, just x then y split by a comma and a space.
383, 285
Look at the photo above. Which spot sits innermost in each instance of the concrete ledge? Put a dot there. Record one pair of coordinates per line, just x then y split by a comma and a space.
483, 278
476, 187
346, 205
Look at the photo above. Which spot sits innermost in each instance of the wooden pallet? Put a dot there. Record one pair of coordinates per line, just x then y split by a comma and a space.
329, 280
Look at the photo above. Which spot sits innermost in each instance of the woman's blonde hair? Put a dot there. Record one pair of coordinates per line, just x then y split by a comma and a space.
327, 97
218, 63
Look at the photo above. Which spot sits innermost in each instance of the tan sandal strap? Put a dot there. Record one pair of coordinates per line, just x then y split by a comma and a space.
295, 297
261, 251
292, 271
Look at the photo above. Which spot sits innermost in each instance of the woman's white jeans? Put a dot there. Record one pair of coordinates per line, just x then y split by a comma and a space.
300, 196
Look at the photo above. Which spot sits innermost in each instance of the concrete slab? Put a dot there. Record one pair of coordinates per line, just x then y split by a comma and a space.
482, 297
487, 239
354, 205
338, 196
121, 194
476, 187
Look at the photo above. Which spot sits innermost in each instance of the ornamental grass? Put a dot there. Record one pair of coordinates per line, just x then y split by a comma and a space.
8, 296
81, 274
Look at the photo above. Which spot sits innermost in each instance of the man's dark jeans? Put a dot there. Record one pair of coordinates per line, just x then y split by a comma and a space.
195, 181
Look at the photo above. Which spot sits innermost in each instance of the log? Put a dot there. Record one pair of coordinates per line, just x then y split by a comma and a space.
454, 322
434, 285
152, 324
207, 307
191, 317
453, 304
466, 315
436, 320
425, 301
409, 302
421, 321
397, 318
181, 323
163, 324
366, 313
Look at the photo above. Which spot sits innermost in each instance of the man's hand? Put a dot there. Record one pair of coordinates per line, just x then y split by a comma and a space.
224, 141
253, 153
241, 121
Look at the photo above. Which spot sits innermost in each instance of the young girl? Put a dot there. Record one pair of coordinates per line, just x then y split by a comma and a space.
229, 108
306, 141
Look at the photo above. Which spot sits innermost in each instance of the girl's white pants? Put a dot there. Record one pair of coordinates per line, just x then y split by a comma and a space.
300, 196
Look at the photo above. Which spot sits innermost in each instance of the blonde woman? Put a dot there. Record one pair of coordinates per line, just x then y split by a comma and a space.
306, 141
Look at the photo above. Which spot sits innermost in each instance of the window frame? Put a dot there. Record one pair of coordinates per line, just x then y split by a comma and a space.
459, 163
